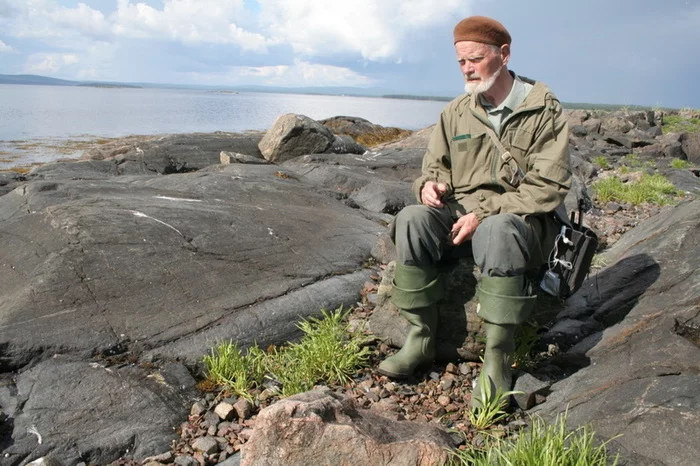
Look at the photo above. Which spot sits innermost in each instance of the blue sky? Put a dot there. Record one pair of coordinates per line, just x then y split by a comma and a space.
597, 51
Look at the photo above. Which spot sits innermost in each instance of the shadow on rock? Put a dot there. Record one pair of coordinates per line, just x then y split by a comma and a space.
603, 301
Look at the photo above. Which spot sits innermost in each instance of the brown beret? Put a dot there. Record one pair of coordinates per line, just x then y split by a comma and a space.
481, 29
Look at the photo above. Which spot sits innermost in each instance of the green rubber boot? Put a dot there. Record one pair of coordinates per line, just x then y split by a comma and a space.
418, 352
503, 304
415, 292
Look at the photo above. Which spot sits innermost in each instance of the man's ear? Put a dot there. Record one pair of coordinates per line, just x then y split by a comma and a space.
505, 53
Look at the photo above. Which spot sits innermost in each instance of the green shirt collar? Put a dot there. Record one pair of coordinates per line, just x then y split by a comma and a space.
515, 97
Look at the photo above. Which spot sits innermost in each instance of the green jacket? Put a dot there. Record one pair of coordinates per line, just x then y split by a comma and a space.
462, 155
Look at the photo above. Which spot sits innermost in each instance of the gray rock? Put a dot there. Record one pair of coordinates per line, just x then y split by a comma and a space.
384, 196
293, 135
226, 158
182, 245
81, 395
186, 460
322, 427
690, 143
344, 144
529, 387
643, 371
206, 445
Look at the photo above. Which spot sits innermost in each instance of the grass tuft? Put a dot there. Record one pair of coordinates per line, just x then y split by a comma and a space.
327, 353
680, 164
601, 161
493, 405
652, 189
541, 445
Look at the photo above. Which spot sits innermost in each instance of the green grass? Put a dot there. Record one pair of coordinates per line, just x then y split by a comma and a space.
680, 124
680, 164
492, 407
326, 353
601, 161
652, 189
541, 445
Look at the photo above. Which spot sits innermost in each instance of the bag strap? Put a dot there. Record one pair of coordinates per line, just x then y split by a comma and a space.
518, 173
560, 211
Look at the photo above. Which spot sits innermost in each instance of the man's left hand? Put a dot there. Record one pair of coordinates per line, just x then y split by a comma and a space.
463, 229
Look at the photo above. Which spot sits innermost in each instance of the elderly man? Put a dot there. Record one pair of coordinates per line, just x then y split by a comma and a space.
496, 167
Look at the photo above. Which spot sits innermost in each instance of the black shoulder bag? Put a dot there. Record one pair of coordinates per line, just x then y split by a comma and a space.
570, 259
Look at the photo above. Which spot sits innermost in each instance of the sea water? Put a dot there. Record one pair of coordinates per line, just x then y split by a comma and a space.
45, 123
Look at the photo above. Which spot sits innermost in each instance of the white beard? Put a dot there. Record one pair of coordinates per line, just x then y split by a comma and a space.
482, 86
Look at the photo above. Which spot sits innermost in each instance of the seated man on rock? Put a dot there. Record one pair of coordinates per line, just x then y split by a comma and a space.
501, 199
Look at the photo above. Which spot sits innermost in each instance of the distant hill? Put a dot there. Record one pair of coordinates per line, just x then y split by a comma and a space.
34, 79
327, 90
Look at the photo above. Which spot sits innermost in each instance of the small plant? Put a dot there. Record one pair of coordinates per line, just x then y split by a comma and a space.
680, 164
601, 161
525, 340
653, 189
327, 353
541, 445
598, 262
631, 161
492, 407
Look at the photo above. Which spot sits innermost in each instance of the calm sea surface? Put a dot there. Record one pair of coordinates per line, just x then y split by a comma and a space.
44, 123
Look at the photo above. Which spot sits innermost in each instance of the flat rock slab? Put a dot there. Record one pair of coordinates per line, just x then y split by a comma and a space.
642, 377
66, 404
144, 261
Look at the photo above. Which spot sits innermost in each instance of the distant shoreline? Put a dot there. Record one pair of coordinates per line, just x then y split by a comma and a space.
333, 91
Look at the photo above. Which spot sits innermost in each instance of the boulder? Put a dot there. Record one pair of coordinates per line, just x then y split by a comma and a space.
690, 143
323, 427
292, 135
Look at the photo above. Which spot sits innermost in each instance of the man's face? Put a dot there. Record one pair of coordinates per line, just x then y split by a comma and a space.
480, 64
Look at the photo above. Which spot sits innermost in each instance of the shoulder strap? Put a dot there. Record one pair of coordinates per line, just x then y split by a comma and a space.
518, 173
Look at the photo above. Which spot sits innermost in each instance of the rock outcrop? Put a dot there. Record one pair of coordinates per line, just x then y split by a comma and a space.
116, 280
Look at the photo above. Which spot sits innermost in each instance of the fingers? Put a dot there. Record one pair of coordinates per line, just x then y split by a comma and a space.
432, 193
463, 229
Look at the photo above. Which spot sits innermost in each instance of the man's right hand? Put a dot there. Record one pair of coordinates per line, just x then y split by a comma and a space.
432, 192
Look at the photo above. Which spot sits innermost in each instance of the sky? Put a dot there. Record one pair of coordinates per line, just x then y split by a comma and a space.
625, 52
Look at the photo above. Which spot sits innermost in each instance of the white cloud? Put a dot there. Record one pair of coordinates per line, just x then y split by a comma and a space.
49, 62
82, 20
4, 48
188, 21
300, 74
375, 30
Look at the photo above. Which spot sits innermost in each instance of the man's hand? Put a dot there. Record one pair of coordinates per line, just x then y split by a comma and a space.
432, 192
464, 228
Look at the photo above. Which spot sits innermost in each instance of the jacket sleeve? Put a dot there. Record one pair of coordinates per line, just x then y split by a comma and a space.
548, 176
437, 165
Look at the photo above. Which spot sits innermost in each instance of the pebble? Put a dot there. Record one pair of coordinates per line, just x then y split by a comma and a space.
244, 408
207, 445
225, 411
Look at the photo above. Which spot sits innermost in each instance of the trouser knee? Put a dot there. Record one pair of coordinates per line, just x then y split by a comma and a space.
420, 233
502, 245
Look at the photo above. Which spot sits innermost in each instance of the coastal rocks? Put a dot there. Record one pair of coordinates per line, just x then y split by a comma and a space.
297, 431
121, 260
641, 372
174, 153
60, 406
292, 135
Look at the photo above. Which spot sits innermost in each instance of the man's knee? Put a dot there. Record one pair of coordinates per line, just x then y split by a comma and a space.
414, 215
500, 226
